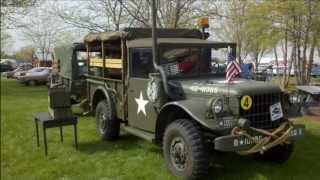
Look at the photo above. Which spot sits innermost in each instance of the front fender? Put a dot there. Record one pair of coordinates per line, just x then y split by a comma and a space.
196, 108
98, 94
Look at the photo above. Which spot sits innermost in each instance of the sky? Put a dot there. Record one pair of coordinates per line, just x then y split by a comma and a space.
19, 41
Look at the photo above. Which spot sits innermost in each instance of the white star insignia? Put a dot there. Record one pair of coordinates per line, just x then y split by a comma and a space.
141, 104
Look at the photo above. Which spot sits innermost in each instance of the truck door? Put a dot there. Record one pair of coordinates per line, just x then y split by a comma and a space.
141, 113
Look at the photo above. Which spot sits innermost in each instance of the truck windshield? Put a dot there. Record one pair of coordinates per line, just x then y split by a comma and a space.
195, 61
81, 56
81, 61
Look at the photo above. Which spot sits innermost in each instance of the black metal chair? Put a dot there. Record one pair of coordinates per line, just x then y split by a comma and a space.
48, 121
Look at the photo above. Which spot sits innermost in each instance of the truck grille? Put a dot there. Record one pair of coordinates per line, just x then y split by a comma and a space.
259, 114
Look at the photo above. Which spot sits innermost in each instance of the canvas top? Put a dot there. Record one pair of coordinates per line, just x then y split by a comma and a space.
137, 33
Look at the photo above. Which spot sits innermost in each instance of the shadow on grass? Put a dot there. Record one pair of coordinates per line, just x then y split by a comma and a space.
231, 165
125, 142
300, 165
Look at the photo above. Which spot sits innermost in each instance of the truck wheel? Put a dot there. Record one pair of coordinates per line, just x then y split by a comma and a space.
185, 150
108, 126
279, 154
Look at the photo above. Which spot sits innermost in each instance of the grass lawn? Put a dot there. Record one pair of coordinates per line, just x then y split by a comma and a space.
128, 158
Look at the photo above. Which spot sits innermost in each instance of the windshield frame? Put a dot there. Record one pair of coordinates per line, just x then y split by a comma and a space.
210, 45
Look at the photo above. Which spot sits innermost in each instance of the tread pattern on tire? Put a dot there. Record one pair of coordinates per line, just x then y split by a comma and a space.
198, 146
112, 130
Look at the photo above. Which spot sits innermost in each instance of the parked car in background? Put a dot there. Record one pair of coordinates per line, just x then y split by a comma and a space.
35, 76
261, 72
5, 68
10, 62
281, 70
315, 71
262, 68
21, 68
277, 70
18, 73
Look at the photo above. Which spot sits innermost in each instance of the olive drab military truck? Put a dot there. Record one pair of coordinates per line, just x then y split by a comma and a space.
69, 68
182, 101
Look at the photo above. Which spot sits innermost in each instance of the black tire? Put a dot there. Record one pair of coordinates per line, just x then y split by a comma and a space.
32, 83
279, 154
183, 135
107, 125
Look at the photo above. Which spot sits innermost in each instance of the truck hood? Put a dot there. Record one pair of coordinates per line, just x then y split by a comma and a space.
210, 86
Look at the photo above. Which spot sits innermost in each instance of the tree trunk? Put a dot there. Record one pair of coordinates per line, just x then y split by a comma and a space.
285, 56
177, 14
304, 58
305, 46
239, 53
296, 50
292, 60
43, 54
311, 55
277, 63
298, 65
256, 59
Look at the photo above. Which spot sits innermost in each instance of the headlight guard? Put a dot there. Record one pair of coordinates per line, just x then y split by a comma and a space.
217, 105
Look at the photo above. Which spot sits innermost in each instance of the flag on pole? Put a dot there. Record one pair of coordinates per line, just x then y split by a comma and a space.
233, 68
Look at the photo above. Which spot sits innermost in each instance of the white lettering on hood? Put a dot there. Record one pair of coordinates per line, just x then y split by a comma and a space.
204, 89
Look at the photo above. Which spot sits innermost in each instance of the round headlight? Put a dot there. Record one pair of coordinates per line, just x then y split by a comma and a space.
217, 106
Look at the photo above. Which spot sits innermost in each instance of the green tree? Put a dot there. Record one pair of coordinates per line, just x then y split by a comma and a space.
6, 42
13, 11
298, 24
232, 27
258, 26
26, 53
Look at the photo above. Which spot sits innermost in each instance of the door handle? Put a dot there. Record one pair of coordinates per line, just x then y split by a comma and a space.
131, 90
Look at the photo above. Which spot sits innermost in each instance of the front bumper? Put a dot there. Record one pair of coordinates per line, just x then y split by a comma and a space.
232, 143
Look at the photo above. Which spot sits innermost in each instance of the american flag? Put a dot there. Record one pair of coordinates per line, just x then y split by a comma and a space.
233, 68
